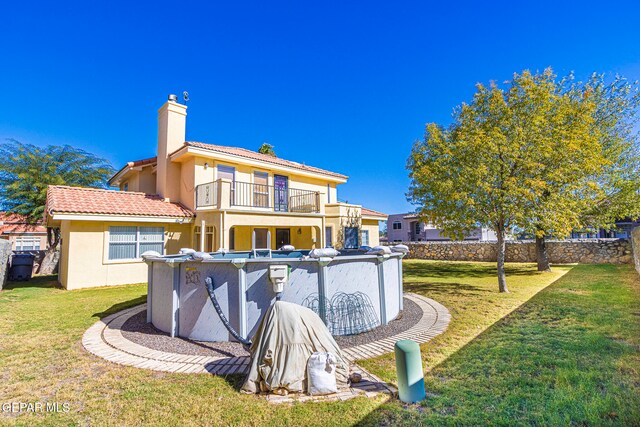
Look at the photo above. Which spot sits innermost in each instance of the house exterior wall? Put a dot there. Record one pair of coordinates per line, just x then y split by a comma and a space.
373, 227
427, 232
143, 181
42, 238
84, 258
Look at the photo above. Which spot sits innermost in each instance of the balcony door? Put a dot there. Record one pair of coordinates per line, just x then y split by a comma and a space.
281, 193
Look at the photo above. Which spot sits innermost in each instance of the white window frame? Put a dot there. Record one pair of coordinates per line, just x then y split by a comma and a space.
364, 240
261, 195
32, 242
137, 243
399, 227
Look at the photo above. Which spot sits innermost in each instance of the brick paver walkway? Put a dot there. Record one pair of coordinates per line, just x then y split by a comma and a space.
105, 339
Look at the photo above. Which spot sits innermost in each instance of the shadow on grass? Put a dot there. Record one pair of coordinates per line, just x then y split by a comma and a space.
48, 281
444, 288
121, 306
462, 269
523, 354
234, 380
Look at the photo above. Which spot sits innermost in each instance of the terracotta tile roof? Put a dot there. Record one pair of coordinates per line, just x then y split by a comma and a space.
143, 162
82, 200
13, 223
147, 161
370, 212
254, 155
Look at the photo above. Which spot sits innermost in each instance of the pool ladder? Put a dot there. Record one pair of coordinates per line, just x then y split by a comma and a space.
255, 251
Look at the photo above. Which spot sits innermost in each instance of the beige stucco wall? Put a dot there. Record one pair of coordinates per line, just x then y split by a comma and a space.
84, 258
12, 238
373, 226
143, 181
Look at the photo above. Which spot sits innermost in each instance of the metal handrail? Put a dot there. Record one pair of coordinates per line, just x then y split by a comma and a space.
247, 194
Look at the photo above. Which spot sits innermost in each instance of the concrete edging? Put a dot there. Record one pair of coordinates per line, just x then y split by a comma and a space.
104, 339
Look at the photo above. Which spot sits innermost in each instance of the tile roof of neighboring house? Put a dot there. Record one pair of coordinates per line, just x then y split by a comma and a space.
13, 223
370, 212
82, 200
254, 155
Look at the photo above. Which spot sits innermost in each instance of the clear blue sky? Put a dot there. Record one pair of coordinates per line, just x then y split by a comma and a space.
344, 86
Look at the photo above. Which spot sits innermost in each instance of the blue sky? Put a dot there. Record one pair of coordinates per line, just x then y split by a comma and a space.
346, 86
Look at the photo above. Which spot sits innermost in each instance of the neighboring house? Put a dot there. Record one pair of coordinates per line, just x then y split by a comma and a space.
406, 227
23, 234
622, 230
200, 196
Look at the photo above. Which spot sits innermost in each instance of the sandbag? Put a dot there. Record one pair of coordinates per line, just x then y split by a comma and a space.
201, 255
379, 250
321, 374
403, 249
321, 253
150, 254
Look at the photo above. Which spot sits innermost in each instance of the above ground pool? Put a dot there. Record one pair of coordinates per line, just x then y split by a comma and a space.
352, 292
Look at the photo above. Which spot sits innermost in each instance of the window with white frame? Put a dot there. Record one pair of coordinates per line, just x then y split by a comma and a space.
397, 225
261, 189
417, 227
129, 242
27, 243
364, 236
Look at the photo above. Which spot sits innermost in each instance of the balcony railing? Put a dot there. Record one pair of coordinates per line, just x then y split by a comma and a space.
207, 194
246, 194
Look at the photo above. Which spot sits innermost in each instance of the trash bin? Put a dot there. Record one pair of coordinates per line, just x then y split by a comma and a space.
21, 267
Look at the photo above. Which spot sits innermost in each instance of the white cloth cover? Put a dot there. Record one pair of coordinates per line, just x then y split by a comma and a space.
287, 336
379, 250
326, 252
186, 251
321, 374
403, 249
288, 248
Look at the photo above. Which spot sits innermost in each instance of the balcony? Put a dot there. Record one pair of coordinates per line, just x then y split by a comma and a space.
258, 196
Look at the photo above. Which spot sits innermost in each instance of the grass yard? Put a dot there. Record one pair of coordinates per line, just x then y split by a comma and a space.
564, 354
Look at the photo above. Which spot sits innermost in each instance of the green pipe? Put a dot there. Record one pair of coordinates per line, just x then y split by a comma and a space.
409, 370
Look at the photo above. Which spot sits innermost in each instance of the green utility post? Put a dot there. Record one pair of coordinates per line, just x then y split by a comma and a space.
409, 369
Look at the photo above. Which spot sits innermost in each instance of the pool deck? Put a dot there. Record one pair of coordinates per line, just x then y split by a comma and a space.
105, 339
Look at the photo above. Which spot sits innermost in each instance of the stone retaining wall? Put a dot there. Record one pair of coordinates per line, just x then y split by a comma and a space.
635, 243
588, 251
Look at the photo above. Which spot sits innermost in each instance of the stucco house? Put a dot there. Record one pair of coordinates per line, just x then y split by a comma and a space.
407, 227
201, 196
24, 235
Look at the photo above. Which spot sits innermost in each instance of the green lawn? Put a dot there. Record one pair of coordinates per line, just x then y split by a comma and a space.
566, 354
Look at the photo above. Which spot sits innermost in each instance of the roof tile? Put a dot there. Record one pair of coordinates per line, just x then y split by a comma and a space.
82, 200
371, 212
254, 155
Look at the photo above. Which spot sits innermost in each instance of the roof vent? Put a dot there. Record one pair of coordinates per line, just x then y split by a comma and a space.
173, 98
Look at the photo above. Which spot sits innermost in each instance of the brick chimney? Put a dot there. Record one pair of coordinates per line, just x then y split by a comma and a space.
172, 123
